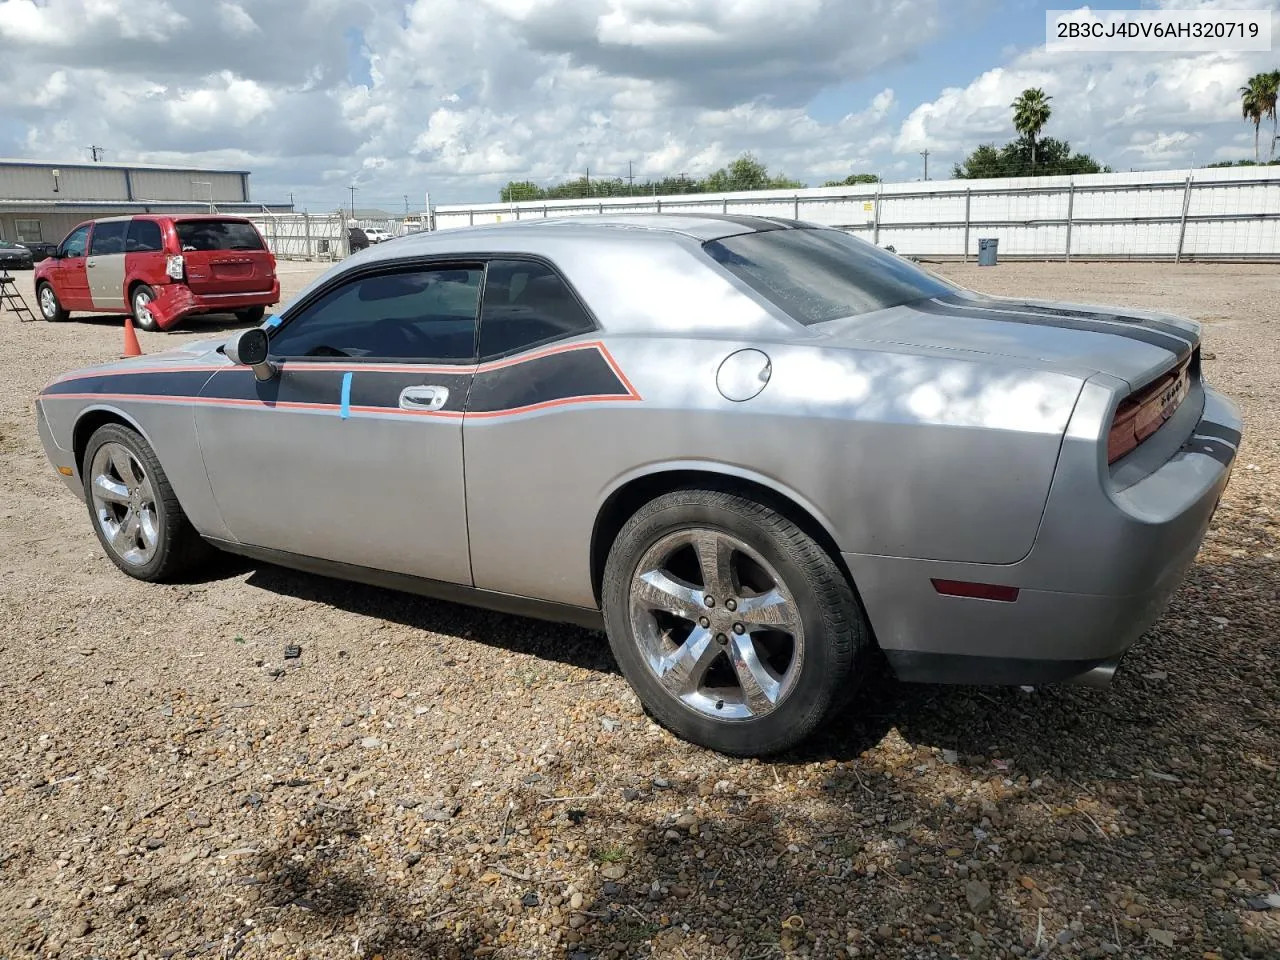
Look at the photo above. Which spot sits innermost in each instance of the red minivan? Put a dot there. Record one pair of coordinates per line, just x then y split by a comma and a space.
160, 269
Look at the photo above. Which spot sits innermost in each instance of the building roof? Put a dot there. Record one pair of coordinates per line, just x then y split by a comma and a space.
58, 164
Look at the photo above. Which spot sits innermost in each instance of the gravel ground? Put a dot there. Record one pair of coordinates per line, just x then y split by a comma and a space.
428, 780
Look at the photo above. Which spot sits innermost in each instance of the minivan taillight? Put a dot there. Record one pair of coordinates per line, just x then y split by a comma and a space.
1143, 413
175, 266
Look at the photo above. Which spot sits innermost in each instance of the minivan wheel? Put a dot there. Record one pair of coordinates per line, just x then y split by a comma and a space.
736, 629
50, 308
141, 300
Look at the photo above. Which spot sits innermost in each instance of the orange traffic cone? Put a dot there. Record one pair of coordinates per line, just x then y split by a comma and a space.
131, 346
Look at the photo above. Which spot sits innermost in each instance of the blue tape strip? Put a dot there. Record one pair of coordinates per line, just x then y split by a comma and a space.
345, 411
272, 321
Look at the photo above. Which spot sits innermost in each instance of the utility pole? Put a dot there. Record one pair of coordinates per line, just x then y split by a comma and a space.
588, 181
925, 154
96, 152
631, 180
353, 201
406, 203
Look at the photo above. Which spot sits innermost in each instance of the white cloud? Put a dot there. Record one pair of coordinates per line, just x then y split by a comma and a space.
1127, 109
458, 96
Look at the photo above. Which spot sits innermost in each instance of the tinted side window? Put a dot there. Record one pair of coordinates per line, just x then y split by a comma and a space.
73, 245
107, 238
144, 237
819, 275
526, 304
409, 315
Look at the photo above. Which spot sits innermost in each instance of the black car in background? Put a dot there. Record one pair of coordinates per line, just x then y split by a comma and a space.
15, 256
40, 249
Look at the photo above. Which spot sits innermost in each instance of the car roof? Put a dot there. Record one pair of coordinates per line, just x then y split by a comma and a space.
700, 227
166, 216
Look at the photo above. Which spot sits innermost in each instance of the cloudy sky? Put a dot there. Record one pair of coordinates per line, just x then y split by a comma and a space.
456, 97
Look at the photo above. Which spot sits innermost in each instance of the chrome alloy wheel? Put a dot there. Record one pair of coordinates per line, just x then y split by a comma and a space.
124, 504
48, 302
716, 624
142, 308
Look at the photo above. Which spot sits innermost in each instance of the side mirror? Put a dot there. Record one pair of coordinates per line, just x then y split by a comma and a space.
250, 349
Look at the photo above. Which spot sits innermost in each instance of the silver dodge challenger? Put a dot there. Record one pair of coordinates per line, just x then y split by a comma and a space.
756, 451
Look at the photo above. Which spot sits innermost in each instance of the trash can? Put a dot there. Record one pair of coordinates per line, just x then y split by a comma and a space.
987, 251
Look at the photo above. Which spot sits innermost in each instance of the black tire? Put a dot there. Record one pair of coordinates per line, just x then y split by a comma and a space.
143, 318
179, 548
253, 315
836, 633
58, 314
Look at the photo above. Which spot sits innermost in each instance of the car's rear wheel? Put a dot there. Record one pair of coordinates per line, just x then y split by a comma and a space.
736, 629
50, 308
134, 510
252, 315
140, 301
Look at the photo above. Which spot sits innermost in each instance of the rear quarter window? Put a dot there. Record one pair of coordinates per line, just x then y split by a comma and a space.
816, 275
197, 235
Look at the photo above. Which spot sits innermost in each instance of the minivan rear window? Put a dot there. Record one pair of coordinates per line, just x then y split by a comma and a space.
218, 235
816, 275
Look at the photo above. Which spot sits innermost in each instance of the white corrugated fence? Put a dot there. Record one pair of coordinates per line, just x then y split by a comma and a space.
1204, 214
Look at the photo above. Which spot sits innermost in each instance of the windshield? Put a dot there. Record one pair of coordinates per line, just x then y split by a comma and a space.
816, 275
218, 235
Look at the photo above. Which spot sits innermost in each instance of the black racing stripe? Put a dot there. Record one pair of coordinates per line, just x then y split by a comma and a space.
1226, 434
383, 389
559, 376
1178, 347
323, 385
1211, 448
1021, 306
176, 384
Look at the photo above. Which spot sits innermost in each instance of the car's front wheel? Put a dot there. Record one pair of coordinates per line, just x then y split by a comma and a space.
50, 308
736, 629
140, 302
134, 510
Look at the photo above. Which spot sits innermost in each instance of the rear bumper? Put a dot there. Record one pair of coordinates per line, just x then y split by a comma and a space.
176, 300
1103, 568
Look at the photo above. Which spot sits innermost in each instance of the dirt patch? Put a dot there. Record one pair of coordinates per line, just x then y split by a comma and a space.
427, 780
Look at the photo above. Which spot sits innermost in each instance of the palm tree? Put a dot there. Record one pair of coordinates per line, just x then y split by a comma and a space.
1271, 90
1030, 113
1253, 105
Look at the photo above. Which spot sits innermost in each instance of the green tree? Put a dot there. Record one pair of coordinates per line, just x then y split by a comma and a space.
1031, 112
744, 173
853, 180
1013, 160
1270, 92
1253, 105
518, 190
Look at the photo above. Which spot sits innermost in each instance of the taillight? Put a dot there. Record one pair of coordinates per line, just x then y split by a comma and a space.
1143, 413
175, 266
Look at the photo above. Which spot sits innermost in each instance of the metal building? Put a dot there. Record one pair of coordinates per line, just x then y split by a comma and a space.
42, 201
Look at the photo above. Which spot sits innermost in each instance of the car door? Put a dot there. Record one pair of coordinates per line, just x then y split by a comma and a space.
352, 452
70, 279
105, 264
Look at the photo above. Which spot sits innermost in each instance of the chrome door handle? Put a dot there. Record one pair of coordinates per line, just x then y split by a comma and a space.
423, 398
